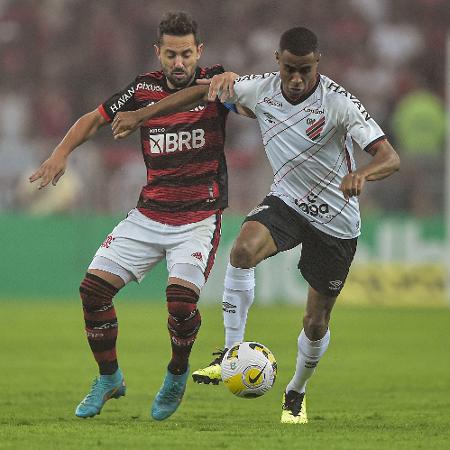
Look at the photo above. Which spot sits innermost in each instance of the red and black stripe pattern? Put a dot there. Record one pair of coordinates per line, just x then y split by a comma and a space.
183, 323
214, 245
100, 320
313, 132
183, 152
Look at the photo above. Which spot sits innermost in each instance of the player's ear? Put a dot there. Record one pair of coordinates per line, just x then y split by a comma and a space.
157, 50
277, 56
199, 50
318, 56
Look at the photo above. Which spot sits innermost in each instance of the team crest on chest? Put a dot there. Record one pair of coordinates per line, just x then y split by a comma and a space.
315, 130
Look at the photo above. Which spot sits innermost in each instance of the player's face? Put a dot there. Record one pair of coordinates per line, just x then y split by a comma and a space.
298, 73
178, 56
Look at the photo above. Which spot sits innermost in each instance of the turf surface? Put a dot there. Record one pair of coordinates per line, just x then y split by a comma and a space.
384, 382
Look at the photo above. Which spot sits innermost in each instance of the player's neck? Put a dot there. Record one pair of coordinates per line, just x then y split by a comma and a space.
177, 88
310, 89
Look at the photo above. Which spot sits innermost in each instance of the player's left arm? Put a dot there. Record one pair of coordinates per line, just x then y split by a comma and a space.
385, 162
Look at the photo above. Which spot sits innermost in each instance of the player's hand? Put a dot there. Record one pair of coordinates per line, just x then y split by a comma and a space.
125, 123
222, 86
51, 170
352, 185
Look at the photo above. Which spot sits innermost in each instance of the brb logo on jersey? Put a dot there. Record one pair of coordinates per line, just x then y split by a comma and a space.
173, 142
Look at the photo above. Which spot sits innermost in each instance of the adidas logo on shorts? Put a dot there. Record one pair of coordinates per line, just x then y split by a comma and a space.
198, 255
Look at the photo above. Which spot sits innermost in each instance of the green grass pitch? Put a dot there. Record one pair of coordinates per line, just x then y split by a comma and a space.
383, 384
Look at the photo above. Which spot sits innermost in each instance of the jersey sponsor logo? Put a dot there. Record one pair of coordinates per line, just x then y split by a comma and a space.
122, 100
149, 87
257, 210
340, 90
335, 285
311, 207
173, 142
314, 111
313, 132
272, 102
254, 76
269, 118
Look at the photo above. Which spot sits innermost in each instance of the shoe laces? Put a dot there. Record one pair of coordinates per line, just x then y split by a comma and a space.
220, 353
96, 385
92, 393
293, 402
174, 391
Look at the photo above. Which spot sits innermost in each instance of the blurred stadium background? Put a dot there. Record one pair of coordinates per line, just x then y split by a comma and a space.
61, 58
384, 382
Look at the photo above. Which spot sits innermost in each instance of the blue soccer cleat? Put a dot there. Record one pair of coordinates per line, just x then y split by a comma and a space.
169, 396
103, 388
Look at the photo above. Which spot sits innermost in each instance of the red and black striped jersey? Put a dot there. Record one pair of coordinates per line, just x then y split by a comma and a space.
183, 152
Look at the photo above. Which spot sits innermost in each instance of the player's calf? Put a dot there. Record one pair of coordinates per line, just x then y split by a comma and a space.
183, 324
100, 321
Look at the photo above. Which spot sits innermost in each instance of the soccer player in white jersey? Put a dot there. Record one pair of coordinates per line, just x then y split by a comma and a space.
308, 125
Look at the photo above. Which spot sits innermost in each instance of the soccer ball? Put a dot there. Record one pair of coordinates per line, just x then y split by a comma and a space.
249, 369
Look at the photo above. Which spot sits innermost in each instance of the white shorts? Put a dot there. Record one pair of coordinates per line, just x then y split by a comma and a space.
138, 243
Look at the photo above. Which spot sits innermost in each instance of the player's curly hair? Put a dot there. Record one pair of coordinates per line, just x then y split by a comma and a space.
299, 41
178, 23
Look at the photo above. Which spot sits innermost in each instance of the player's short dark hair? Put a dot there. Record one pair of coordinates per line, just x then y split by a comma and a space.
178, 23
299, 41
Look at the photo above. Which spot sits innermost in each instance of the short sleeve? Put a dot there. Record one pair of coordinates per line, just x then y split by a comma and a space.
123, 100
360, 125
245, 91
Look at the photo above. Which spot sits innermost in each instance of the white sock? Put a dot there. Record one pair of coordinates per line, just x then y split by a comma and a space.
308, 356
238, 294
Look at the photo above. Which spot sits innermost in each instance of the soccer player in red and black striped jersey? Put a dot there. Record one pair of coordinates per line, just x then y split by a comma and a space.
178, 215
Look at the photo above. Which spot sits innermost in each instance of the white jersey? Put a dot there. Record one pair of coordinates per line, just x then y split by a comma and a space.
309, 146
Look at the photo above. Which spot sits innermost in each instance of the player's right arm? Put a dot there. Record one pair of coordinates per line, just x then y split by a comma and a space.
222, 87
54, 167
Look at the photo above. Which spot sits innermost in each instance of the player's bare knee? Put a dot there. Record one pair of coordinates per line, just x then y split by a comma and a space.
243, 255
315, 325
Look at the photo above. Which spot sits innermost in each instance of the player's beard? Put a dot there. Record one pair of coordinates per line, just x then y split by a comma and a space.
179, 83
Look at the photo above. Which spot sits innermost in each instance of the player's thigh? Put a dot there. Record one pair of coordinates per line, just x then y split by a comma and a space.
325, 262
135, 244
191, 255
112, 278
253, 244
268, 229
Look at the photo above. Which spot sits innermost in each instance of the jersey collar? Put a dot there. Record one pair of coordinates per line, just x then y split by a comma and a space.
305, 96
